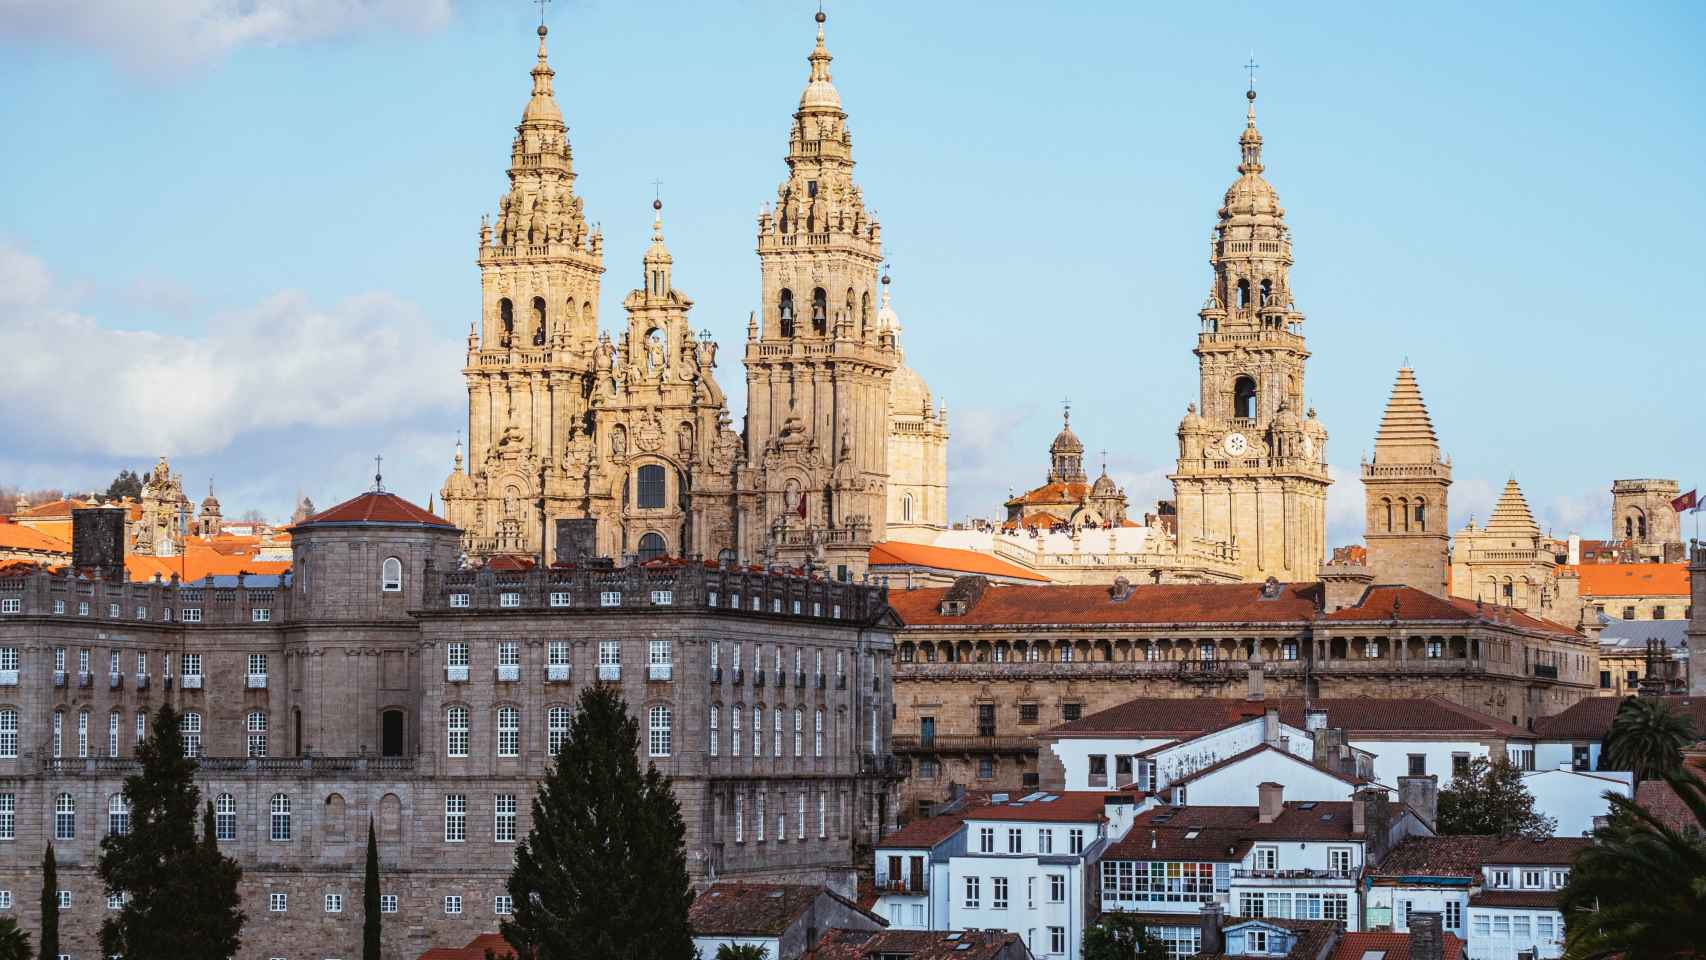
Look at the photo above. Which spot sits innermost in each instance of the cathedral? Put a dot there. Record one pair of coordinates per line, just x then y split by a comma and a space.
584, 445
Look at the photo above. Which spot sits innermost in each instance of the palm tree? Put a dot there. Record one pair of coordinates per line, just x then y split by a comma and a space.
1640, 890
742, 951
1647, 737
14, 943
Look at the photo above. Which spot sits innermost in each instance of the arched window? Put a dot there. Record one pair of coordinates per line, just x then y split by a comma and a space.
1641, 526
390, 817
456, 731
651, 547
820, 311
225, 817
118, 815
1243, 293
817, 733
1404, 511
538, 321
850, 305
785, 312
506, 321
556, 729
651, 487
864, 312
509, 732
1386, 505
280, 817
257, 729
906, 508
1244, 398
65, 817
336, 814
1267, 291
657, 731
189, 725
9, 733
391, 575
799, 731
1421, 514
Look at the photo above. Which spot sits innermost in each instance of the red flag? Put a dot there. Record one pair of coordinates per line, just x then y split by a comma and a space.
1688, 501
802, 510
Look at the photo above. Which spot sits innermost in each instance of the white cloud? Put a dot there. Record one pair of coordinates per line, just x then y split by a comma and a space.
80, 388
168, 35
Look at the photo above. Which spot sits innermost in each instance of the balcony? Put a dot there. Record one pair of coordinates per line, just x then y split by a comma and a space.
609, 672
115, 681
1545, 671
822, 681
738, 675
758, 678
962, 744
880, 764
1295, 875
800, 679
8, 678
509, 672
659, 672
558, 673
903, 884
716, 674
85, 680
142, 681
255, 681
781, 680
59, 678
456, 674
841, 681
192, 681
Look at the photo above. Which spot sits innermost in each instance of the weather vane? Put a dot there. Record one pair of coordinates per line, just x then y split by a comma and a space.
1252, 66
541, 10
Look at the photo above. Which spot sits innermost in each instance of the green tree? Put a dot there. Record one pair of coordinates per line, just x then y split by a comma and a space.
49, 906
180, 894
743, 951
126, 484
602, 874
14, 942
1647, 737
1119, 937
370, 899
1490, 798
1640, 890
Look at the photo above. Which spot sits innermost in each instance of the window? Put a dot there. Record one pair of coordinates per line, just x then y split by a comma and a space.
651, 495
557, 653
610, 598
1453, 920
509, 599
503, 818
657, 731
998, 893
256, 615
64, 902
83, 735
734, 730
456, 655
278, 902
192, 665
452, 905
280, 817
502, 905
1658, 613
817, 733
1628, 613
1076, 838
257, 728
1027, 713
799, 731
11, 605
456, 731
461, 599
986, 768
141, 725
1045, 840
1057, 940
758, 731
509, 732
556, 729
973, 894
986, 840
8, 816
1460, 765
1015, 840
387, 903
1339, 860
225, 817
118, 815
509, 654
776, 732
1057, 888
1418, 764
9, 733
609, 653
334, 903
455, 817
1533, 879
1267, 858
65, 817
559, 598
59, 733
1499, 878
660, 653
1071, 711
391, 575
1256, 941
663, 598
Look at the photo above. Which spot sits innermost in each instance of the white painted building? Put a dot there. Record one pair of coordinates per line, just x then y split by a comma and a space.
1575, 797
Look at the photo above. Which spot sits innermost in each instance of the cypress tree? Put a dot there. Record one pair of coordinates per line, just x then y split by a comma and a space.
370, 899
602, 874
49, 906
180, 894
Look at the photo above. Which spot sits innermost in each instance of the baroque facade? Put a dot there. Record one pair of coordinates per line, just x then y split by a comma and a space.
579, 444
379, 680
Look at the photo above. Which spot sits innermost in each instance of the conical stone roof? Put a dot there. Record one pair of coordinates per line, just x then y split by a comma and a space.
1406, 432
1511, 515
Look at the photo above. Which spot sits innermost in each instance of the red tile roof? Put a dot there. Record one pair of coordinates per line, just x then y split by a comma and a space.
1224, 833
1631, 579
926, 833
758, 909
1408, 603
1516, 899
1590, 718
899, 553
1437, 857
837, 944
475, 950
1052, 493
376, 508
1387, 946
1359, 716
1080, 806
1662, 801
15, 536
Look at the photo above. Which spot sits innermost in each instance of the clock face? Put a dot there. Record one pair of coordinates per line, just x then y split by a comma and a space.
1235, 444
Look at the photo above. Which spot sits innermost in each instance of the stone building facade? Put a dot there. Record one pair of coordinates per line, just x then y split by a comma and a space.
380, 681
1404, 488
981, 670
918, 447
633, 435
1642, 517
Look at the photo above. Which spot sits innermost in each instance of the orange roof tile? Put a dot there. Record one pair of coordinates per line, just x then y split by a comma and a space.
1632, 579
1388, 946
475, 950
1052, 493
378, 508
58, 508
1081, 806
947, 558
18, 537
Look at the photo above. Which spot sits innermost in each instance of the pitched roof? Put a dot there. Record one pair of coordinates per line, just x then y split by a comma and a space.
1057, 492
1148, 603
1236, 758
757, 909
1224, 833
1511, 514
1631, 579
1388, 946
1662, 801
1408, 603
1436, 857
1359, 716
375, 507
475, 950
1406, 434
1590, 718
1516, 899
15, 536
926, 833
836, 944
900, 553
1545, 852
1078, 806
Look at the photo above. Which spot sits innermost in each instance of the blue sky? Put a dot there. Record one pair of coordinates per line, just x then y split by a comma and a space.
243, 234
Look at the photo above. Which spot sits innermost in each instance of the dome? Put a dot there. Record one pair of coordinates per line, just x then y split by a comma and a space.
820, 93
908, 393
1066, 442
542, 105
1251, 196
209, 504
1104, 486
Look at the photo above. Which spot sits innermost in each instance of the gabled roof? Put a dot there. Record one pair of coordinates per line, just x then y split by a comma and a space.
1464, 856
1388, 946
1260, 748
16, 536
1076, 806
1631, 579
378, 508
900, 553
836, 944
475, 950
758, 909
1225, 833
1660, 799
1052, 493
1407, 603
1148, 603
1590, 717
1361, 717
926, 833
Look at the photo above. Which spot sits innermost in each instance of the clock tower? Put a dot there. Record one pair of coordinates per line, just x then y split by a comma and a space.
1252, 457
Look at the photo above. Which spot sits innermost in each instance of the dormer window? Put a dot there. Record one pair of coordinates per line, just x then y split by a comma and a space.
391, 575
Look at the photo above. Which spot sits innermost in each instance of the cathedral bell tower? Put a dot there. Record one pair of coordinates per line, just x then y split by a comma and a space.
1404, 488
1252, 469
530, 358
818, 364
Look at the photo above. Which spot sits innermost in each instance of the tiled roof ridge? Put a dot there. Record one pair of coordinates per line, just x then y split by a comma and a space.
375, 507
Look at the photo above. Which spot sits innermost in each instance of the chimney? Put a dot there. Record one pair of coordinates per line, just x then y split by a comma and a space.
1370, 808
1427, 937
1212, 940
1271, 801
1257, 678
1270, 725
97, 541
1343, 585
1421, 795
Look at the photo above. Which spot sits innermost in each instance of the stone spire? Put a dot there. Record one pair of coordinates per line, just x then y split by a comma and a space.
542, 107
657, 258
1511, 514
1406, 433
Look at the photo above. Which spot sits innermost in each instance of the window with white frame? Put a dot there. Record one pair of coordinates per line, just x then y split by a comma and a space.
503, 818
1533, 879
1453, 919
509, 654
58, 733
822, 817
559, 598
456, 731
799, 731
510, 599
334, 903
11, 605
1075, 840
663, 598
190, 726
278, 902
509, 732
8, 816
817, 733
257, 665
9, 733
64, 903
1339, 860
65, 817
83, 735
985, 839
455, 817
257, 731
734, 729
1015, 840
758, 817
556, 729
1266, 858
662, 653
462, 600
610, 598
190, 615
8, 658
387, 903
503, 905
1499, 878
192, 665
1057, 888
456, 654
609, 653
1057, 940
280, 817
225, 817
118, 815
800, 816
141, 725
1045, 840
557, 653
740, 819
391, 575
657, 731
998, 893
112, 733
452, 905
256, 615
711, 731
974, 893
776, 732
758, 730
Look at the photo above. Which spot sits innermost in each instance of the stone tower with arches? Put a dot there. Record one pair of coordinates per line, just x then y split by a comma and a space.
1252, 470
1404, 487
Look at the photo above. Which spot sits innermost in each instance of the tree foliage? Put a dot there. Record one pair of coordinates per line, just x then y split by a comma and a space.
14, 942
602, 874
1118, 937
1640, 890
1647, 737
1490, 798
128, 483
181, 900
742, 951
49, 906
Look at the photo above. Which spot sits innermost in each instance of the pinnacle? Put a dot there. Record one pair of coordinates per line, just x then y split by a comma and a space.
1511, 514
1406, 432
